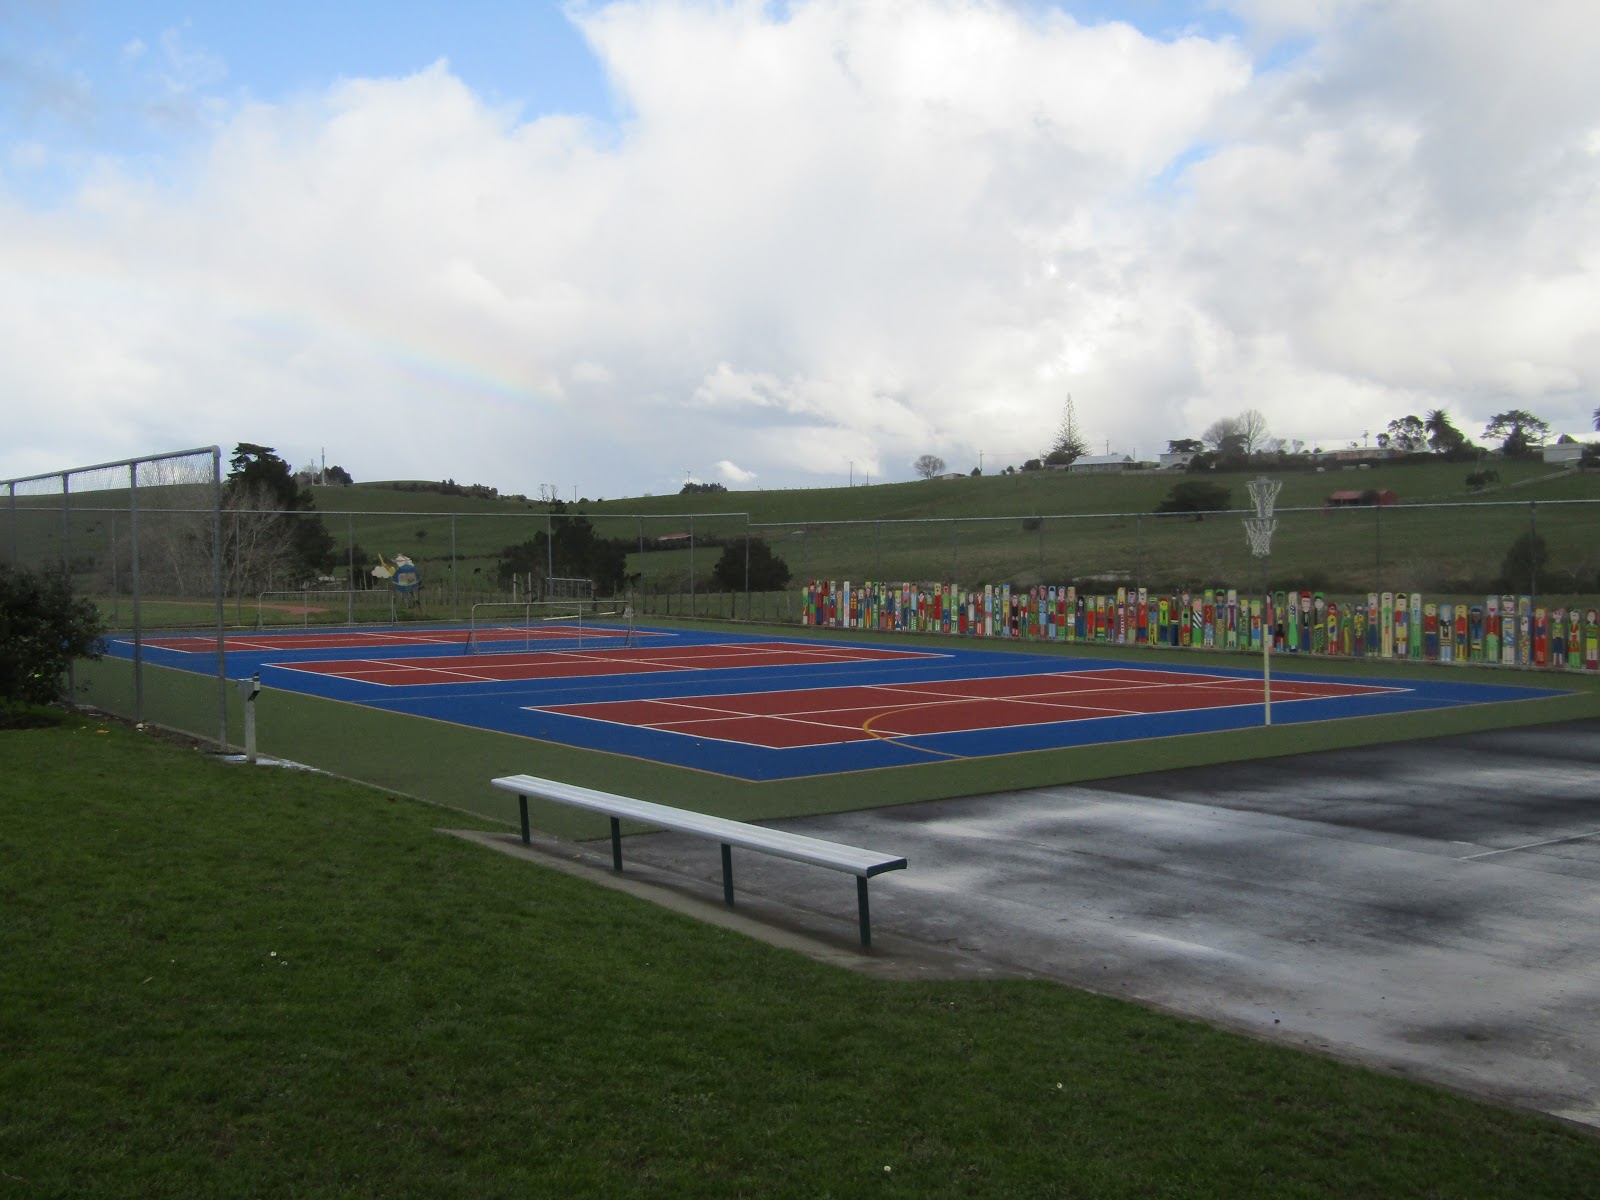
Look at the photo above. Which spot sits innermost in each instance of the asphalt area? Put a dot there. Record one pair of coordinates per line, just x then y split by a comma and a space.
1426, 908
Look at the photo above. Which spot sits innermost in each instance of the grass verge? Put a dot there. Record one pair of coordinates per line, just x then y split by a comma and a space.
222, 982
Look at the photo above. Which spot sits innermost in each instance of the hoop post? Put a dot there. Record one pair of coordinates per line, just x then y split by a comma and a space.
1258, 531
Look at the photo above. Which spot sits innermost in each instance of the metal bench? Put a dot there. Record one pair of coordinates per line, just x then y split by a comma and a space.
863, 864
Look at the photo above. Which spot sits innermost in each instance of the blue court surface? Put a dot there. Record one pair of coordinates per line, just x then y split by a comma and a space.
769, 708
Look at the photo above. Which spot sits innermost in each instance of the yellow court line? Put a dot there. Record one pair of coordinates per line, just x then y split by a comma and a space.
866, 728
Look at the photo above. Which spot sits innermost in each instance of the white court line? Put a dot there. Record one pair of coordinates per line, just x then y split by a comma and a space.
405, 637
1111, 686
1576, 837
377, 664
710, 715
818, 717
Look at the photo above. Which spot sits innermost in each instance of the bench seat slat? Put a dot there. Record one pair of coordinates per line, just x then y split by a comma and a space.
795, 846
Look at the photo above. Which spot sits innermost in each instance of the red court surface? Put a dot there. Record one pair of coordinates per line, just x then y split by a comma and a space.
559, 664
353, 639
829, 716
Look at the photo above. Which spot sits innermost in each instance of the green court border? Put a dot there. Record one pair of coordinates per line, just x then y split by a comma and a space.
451, 765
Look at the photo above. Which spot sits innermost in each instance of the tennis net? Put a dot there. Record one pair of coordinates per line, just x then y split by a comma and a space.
532, 627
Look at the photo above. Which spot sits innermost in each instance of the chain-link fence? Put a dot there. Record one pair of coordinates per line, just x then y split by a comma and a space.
143, 539
162, 543
1540, 548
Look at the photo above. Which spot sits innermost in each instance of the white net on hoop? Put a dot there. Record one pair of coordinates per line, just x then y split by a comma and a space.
1259, 531
1263, 494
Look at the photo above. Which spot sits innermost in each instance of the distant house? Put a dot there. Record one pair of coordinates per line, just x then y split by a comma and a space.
1177, 460
1356, 499
1354, 454
1091, 464
1564, 454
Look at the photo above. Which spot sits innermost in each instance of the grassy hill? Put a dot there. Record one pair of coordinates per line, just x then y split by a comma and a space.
1052, 526
1094, 530
1046, 493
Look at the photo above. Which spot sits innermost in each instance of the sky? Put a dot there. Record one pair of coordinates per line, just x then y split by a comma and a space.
608, 248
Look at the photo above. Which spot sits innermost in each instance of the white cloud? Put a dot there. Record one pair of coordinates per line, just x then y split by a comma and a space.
827, 241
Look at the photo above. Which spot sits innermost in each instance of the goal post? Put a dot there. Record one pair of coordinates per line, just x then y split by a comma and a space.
325, 607
557, 587
544, 626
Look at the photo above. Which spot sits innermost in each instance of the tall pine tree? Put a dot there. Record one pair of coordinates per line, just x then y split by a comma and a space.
1069, 445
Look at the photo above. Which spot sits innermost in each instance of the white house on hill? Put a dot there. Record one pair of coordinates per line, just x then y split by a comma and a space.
1564, 454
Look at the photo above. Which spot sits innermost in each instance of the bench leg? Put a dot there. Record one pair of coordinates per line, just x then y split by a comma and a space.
727, 873
522, 803
616, 844
861, 905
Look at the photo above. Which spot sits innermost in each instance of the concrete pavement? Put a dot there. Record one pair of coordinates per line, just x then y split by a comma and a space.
1431, 908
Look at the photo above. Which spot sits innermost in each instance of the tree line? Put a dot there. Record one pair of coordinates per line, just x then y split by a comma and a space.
1245, 440
571, 549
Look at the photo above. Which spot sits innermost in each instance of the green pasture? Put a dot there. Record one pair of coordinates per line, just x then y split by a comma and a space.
1051, 527
229, 982
1441, 552
449, 764
1061, 492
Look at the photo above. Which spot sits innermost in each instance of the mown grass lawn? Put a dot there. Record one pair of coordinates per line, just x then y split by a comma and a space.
221, 981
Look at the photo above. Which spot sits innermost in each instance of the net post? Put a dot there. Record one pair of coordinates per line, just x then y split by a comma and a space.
1258, 532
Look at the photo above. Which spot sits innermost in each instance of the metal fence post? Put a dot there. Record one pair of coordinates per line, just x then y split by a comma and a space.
138, 611
1533, 551
218, 599
116, 596
1377, 530
66, 523
1138, 541
350, 568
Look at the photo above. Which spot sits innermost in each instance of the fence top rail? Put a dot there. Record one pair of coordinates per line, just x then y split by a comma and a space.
1022, 516
121, 462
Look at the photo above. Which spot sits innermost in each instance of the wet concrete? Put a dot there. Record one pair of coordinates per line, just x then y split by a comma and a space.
1431, 908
